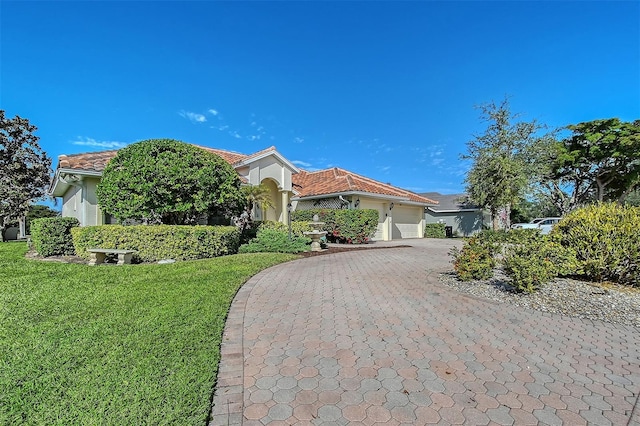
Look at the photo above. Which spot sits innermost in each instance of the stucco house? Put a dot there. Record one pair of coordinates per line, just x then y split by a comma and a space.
401, 212
457, 211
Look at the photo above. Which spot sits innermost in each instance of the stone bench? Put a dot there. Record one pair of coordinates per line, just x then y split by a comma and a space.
98, 255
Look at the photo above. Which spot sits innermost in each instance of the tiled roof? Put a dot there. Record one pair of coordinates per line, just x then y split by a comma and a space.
336, 180
96, 161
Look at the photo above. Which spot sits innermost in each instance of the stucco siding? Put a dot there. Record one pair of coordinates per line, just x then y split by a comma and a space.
72, 203
462, 223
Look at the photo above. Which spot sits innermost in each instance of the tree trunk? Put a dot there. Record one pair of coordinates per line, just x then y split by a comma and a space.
495, 219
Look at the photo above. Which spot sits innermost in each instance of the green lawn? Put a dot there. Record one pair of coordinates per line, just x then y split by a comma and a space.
132, 344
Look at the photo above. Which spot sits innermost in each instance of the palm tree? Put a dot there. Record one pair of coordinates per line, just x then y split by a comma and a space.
257, 195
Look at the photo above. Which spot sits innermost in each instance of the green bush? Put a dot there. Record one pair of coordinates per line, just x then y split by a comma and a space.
298, 228
156, 242
351, 226
606, 239
434, 230
51, 236
275, 241
537, 262
475, 261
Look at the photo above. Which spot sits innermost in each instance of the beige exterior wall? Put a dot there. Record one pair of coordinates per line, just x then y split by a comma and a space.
80, 201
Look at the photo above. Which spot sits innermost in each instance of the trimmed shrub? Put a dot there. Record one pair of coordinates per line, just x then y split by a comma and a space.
275, 241
475, 261
434, 230
297, 228
537, 262
156, 242
351, 226
51, 236
606, 239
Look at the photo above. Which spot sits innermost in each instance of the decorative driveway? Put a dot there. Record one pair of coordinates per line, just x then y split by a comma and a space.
371, 336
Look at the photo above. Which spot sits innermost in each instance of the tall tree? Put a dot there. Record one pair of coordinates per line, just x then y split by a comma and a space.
168, 181
499, 175
601, 160
24, 168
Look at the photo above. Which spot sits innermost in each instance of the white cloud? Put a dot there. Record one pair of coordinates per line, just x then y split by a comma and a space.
301, 163
193, 116
298, 140
235, 134
213, 112
254, 137
99, 144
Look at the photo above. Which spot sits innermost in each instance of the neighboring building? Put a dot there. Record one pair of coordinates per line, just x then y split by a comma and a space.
401, 211
457, 211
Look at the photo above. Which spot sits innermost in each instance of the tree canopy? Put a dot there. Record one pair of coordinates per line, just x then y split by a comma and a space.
25, 168
168, 181
501, 156
600, 161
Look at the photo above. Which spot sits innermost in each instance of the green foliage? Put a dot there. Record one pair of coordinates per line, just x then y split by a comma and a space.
499, 175
170, 182
275, 241
156, 242
257, 195
606, 240
600, 160
37, 211
351, 226
474, 261
536, 262
298, 228
52, 236
127, 345
434, 230
24, 168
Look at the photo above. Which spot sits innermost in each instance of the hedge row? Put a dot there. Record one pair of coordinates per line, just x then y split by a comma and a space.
156, 242
434, 230
352, 226
51, 236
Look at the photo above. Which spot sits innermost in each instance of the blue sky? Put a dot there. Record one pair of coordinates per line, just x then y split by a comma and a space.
384, 89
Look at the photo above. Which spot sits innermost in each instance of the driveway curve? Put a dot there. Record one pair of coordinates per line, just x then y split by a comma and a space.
371, 336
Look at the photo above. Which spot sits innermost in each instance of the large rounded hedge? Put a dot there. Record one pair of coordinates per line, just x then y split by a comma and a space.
168, 181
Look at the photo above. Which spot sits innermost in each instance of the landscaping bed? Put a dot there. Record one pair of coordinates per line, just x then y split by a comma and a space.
609, 302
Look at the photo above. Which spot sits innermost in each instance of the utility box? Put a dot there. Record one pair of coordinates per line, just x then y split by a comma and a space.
448, 231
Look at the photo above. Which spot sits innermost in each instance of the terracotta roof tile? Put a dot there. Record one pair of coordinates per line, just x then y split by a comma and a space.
95, 161
336, 180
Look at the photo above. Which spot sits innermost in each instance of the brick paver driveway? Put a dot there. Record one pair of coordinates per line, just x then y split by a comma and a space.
371, 336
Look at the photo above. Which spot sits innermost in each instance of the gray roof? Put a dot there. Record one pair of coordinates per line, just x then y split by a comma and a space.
450, 202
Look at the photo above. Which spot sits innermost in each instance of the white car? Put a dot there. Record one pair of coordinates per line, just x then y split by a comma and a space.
544, 224
531, 225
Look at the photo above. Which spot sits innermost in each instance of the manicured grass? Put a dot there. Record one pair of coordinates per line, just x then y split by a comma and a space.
132, 344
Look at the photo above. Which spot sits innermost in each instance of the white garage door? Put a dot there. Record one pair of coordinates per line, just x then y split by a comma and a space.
406, 222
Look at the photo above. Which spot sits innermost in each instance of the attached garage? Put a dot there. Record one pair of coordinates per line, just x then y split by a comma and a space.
406, 222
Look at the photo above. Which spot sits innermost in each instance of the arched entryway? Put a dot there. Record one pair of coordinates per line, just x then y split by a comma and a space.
274, 212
